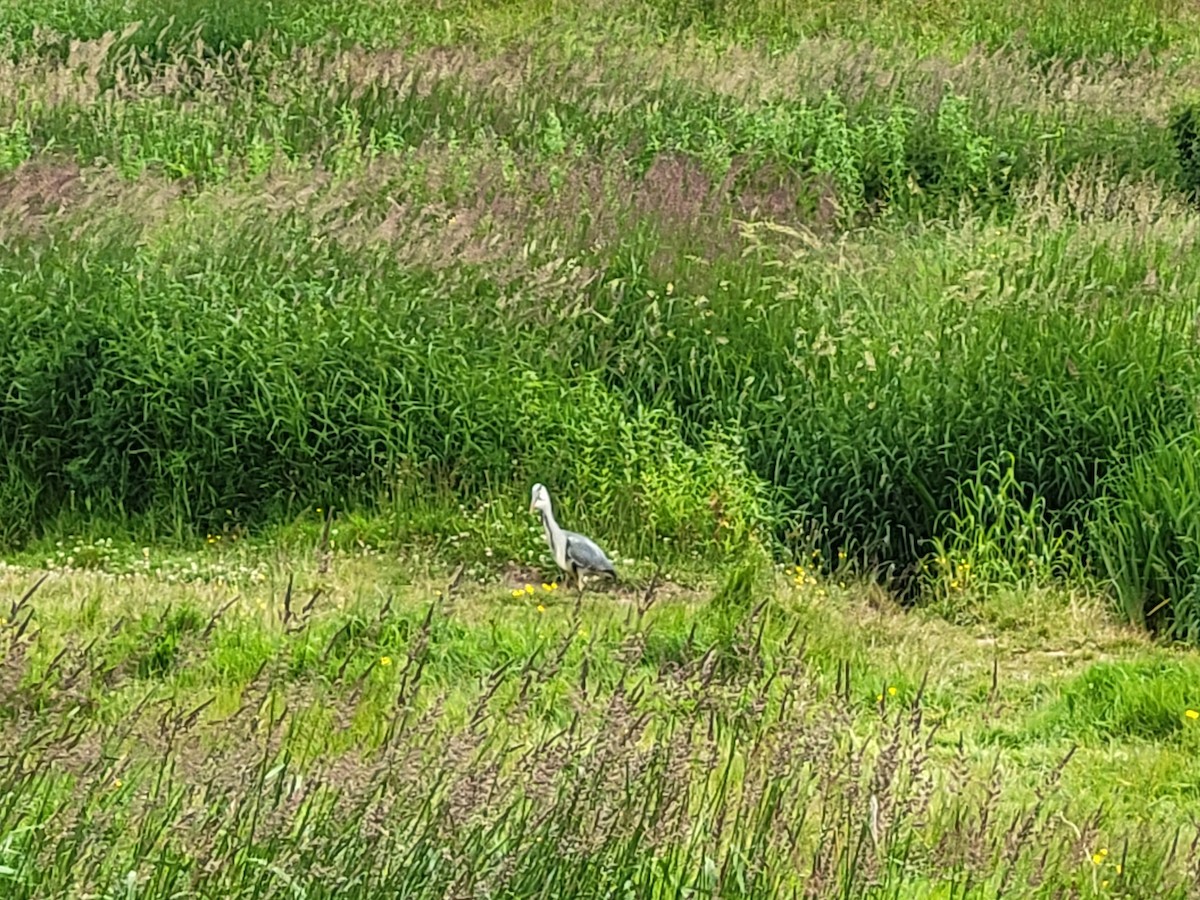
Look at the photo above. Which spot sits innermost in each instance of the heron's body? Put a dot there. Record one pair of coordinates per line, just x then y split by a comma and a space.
574, 553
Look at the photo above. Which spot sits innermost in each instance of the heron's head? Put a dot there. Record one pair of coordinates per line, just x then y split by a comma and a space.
539, 499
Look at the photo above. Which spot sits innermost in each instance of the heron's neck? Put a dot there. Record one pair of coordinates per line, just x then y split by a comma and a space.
554, 534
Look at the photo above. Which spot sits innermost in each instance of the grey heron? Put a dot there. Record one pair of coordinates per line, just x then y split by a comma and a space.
575, 554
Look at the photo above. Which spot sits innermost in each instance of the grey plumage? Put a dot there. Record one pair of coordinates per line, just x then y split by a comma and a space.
574, 553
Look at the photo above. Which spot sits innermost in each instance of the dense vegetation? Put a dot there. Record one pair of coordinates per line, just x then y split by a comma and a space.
865, 292
882, 289
312, 738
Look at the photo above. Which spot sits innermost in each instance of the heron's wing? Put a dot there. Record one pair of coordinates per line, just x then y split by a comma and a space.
584, 553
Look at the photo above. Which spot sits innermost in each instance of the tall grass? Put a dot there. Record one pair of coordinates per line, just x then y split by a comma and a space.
911, 289
1051, 29
914, 143
1054, 29
186, 377
401, 750
1145, 536
284, 385
247, 280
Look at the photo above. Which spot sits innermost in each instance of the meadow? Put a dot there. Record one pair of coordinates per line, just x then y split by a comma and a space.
862, 336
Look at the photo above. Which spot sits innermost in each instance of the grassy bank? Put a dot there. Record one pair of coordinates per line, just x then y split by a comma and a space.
334, 731
863, 337
427, 332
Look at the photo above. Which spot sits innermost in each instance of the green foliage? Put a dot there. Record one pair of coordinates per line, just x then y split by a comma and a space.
1145, 533
998, 533
1050, 28
903, 308
869, 399
204, 376
737, 281
205, 409
1094, 29
1111, 701
1185, 131
222, 26
15, 145
667, 747
157, 652
919, 147
557, 749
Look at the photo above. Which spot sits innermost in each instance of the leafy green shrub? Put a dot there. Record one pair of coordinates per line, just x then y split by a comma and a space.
628, 479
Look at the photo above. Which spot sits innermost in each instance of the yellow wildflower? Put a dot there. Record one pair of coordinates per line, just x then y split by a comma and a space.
1192, 714
517, 592
385, 661
529, 588
541, 608
1098, 856
1104, 884
879, 698
892, 692
117, 784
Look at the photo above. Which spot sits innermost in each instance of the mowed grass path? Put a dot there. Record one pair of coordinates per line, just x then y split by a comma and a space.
357, 731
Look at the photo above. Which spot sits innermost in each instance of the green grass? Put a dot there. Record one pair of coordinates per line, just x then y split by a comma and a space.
208, 367
876, 297
333, 733
1140, 699
1052, 29
800, 310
